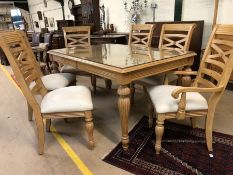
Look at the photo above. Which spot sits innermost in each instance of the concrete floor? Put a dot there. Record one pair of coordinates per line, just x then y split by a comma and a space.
18, 142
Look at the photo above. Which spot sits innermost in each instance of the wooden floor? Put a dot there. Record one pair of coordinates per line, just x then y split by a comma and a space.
19, 148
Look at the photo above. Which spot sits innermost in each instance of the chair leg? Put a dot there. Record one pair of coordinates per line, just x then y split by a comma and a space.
93, 83
166, 80
108, 84
193, 122
209, 127
30, 112
48, 125
151, 113
159, 129
89, 128
132, 89
40, 130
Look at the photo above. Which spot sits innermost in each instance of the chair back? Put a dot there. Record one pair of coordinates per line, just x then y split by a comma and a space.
217, 62
77, 36
176, 36
141, 34
36, 36
24, 65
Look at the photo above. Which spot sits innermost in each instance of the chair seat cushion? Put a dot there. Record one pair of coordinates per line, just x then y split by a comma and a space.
67, 99
55, 81
72, 70
67, 68
165, 103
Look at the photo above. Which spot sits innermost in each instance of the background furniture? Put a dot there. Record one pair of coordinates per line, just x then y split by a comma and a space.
87, 13
5, 16
196, 41
64, 23
181, 102
36, 39
114, 38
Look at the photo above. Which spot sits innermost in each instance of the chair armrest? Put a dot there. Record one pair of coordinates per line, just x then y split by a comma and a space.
176, 92
180, 115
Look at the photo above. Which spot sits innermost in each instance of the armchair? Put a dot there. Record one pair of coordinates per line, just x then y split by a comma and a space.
182, 102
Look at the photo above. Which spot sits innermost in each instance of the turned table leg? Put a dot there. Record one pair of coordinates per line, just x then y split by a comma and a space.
124, 109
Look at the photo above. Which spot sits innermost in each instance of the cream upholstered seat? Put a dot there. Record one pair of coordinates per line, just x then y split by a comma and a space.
67, 102
68, 99
187, 102
51, 81
164, 102
152, 81
55, 81
67, 68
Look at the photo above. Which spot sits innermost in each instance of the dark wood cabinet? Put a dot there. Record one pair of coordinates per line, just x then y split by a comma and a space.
196, 41
87, 13
64, 23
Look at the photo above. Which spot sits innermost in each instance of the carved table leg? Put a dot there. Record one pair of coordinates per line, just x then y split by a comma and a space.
124, 109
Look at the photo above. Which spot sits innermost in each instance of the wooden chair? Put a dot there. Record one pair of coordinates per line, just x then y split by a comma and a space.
75, 37
141, 34
173, 37
182, 102
73, 101
52, 81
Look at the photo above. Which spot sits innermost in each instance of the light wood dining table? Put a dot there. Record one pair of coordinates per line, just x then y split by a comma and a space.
123, 64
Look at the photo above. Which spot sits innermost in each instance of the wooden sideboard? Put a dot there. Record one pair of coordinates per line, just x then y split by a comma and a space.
114, 38
196, 41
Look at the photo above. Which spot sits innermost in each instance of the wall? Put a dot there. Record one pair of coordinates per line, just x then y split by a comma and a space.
53, 10
120, 18
116, 14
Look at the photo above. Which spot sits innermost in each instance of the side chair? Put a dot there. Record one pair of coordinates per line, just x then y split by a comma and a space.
78, 36
141, 34
51, 81
173, 37
187, 102
66, 102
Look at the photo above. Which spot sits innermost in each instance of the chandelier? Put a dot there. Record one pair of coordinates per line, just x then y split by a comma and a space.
135, 9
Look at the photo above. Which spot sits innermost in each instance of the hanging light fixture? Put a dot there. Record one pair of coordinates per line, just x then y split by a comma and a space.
135, 8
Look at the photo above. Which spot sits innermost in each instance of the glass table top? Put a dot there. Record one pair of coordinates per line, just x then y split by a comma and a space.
117, 55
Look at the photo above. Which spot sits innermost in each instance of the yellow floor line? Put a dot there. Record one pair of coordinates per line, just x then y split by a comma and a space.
67, 148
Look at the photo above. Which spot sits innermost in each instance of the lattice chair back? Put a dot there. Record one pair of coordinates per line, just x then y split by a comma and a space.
24, 65
141, 34
176, 36
77, 36
217, 62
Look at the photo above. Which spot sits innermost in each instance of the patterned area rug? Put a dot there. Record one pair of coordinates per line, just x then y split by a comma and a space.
184, 152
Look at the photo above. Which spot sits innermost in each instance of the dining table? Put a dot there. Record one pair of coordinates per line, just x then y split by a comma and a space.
123, 64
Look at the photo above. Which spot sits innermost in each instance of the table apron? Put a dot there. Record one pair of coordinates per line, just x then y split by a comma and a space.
126, 78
